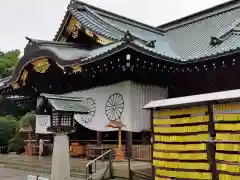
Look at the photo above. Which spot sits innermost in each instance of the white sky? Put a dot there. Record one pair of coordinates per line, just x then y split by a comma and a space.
40, 19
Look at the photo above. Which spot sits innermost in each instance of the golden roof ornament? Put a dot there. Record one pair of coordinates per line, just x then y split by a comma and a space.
76, 68
15, 85
24, 77
75, 32
41, 65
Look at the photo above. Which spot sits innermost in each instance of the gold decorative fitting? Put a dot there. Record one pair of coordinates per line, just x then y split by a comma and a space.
89, 33
24, 77
76, 68
41, 65
74, 27
75, 32
72, 22
15, 85
103, 40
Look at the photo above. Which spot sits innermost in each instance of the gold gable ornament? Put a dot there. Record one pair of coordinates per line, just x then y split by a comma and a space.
24, 77
15, 85
76, 68
89, 33
72, 22
75, 32
41, 65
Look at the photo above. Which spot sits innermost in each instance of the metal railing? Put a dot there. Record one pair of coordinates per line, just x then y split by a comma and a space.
91, 167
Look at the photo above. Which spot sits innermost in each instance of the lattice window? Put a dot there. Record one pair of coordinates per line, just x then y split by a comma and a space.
66, 120
55, 119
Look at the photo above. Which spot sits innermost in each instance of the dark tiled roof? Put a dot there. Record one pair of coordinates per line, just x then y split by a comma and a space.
104, 13
67, 54
107, 25
191, 38
63, 51
95, 24
161, 45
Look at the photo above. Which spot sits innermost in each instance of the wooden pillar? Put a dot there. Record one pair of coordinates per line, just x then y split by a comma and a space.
128, 144
119, 138
152, 141
211, 144
37, 139
30, 143
99, 138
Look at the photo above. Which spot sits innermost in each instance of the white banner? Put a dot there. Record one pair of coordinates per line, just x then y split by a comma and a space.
123, 101
42, 123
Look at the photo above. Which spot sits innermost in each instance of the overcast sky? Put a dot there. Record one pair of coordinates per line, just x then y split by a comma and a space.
41, 18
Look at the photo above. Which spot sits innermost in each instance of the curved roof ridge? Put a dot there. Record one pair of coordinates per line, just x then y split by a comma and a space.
103, 20
92, 25
48, 42
110, 25
118, 17
198, 16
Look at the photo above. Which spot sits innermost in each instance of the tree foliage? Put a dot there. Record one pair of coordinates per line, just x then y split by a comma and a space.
16, 144
27, 120
8, 61
8, 107
8, 127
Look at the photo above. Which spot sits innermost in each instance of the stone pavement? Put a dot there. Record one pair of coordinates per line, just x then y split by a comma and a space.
33, 164
12, 174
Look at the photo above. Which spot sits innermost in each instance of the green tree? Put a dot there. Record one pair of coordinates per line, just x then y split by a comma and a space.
29, 119
16, 144
8, 62
8, 128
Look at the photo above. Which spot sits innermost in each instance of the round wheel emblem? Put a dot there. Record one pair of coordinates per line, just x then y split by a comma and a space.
114, 107
86, 118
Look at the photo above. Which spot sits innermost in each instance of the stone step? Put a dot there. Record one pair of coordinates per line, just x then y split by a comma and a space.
78, 168
45, 160
78, 174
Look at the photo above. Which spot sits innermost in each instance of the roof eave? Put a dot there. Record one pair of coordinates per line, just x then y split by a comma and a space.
231, 4
214, 56
200, 99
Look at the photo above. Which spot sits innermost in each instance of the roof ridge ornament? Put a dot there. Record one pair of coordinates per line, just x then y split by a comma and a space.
73, 2
151, 44
30, 40
215, 41
128, 37
230, 30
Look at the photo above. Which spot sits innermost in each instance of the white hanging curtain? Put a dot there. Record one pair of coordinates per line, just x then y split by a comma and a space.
122, 101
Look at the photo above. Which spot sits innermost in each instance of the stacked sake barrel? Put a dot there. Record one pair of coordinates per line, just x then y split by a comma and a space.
227, 128
180, 144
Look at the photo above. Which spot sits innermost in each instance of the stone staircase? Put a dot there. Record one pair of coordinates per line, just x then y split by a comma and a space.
43, 166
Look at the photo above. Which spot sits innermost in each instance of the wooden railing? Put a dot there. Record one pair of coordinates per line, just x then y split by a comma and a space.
140, 152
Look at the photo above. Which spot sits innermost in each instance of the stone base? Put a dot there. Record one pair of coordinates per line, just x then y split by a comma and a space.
60, 158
